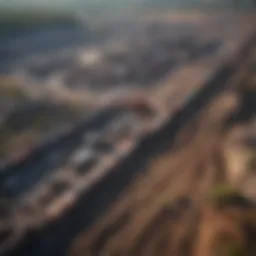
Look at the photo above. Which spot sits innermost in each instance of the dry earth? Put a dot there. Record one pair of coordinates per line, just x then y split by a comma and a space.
166, 211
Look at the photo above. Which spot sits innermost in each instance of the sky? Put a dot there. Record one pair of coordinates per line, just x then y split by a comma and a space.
59, 4
54, 2
38, 3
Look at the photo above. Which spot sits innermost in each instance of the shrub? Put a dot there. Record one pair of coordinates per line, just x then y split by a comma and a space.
230, 249
225, 195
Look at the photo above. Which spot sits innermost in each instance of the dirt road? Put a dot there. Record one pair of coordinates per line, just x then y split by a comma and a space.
159, 213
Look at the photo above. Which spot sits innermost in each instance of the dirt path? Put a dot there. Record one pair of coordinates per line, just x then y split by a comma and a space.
159, 212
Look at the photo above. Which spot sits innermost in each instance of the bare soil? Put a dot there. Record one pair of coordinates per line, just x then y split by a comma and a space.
165, 211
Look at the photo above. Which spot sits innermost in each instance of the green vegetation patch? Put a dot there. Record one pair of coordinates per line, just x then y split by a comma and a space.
31, 16
10, 87
5, 207
28, 123
231, 248
224, 195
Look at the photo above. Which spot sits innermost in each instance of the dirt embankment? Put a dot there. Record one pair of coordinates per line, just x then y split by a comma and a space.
168, 211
